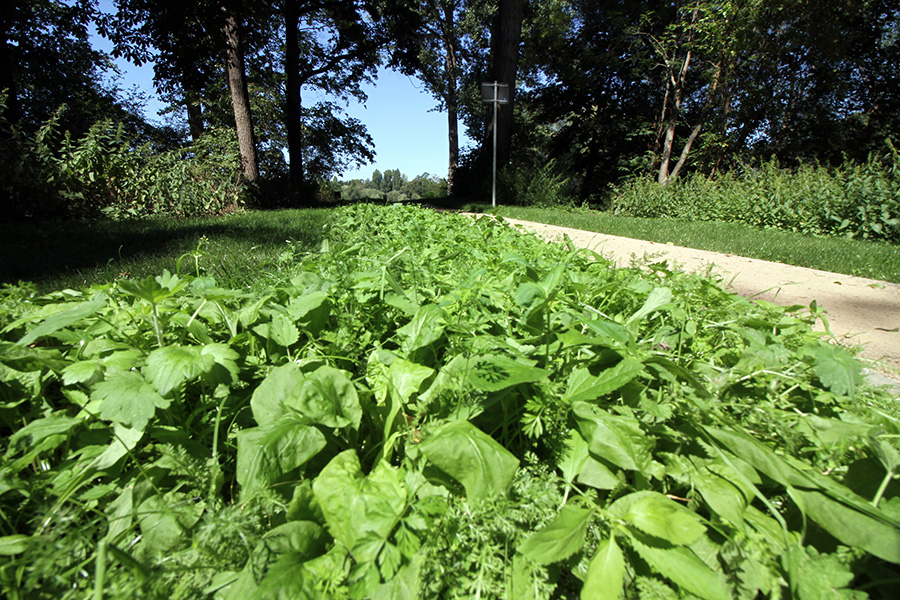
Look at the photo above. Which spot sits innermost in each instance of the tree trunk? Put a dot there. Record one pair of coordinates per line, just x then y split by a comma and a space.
240, 98
505, 44
452, 99
294, 98
192, 106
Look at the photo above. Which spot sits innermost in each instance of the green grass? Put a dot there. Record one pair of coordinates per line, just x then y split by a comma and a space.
236, 249
876, 260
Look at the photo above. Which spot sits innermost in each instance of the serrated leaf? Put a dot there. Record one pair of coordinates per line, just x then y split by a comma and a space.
656, 515
126, 398
473, 458
282, 331
171, 366
837, 369
560, 538
681, 566
606, 572
81, 371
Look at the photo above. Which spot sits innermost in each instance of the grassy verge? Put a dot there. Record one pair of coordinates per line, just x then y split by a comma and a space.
877, 260
235, 249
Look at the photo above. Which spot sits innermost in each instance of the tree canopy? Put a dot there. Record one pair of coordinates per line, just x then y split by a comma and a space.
601, 91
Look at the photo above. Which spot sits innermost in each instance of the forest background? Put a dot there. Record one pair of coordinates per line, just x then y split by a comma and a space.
610, 101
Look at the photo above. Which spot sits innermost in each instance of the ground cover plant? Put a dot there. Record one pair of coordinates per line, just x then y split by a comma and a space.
428, 407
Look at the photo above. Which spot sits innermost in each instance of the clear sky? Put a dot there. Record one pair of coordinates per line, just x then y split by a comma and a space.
398, 114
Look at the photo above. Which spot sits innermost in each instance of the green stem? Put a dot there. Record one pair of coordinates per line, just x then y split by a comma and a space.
100, 571
882, 488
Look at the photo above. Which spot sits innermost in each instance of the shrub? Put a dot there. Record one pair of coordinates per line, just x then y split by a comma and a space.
48, 175
534, 186
855, 200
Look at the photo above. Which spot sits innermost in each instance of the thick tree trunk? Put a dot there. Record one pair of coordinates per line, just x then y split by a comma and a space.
294, 99
452, 99
240, 98
192, 106
505, 44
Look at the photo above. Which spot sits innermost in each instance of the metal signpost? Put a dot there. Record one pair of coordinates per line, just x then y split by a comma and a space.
497, 93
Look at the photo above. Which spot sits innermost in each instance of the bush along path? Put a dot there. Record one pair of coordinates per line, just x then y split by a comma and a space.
431, 408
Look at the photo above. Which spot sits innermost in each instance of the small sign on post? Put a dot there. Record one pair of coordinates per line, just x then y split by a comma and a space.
495, 93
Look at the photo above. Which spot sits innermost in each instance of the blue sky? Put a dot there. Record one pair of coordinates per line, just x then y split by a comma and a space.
408, 135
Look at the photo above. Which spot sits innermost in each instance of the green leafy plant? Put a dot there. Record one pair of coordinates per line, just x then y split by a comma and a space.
431, 406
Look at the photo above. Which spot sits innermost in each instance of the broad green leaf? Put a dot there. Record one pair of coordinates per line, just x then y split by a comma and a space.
81, 371
606, 572
617, 439
153, 289
656, 300
837, 369
654, 514
574, 457
388, 375
852, 527
303, 539
171, 366
582, 386
282, 331
529, 294
426, 327
685, 569
266, 453
286, 579
496, 372
310, 311
124, 441
10, 545
38, 430
560, 538
325, 396
63, 319
477, 461
126, 398
721, 495
226, 369
817, 577
165, 521
361, 510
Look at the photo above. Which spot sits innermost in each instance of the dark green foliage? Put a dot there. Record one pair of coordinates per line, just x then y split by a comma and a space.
855, 200
434, 407
51, 175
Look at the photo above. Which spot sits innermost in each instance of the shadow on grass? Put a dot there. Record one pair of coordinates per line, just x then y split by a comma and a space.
53, 251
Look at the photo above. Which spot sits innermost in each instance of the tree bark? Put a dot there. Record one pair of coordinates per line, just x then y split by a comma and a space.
505, 45
452, 98
293, 89
240, 98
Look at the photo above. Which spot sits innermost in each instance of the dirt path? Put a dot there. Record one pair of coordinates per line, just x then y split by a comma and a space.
860, 311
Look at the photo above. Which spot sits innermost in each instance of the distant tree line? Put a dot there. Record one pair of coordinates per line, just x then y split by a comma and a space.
392, 185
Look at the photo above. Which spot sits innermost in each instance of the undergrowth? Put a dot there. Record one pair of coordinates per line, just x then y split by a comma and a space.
854, 200
430, 407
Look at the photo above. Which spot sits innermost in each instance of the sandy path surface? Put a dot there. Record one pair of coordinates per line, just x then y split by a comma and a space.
860, 311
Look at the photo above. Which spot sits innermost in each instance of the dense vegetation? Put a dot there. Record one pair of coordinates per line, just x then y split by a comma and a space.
398, 417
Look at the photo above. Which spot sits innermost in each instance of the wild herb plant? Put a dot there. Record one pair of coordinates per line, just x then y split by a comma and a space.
854, 200
435, 408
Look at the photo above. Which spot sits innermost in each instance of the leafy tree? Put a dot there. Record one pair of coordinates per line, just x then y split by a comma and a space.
387, 182
375, 182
